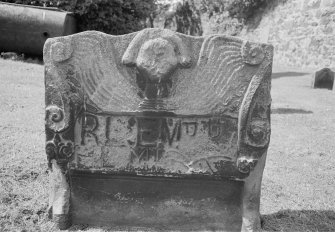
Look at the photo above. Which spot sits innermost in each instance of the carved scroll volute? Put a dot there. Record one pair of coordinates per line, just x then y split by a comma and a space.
59, 144
58, 112
61, 51
254, 117
156, 56
56, 118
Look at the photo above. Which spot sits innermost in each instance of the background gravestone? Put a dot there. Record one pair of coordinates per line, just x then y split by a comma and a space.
323, 78
157, 129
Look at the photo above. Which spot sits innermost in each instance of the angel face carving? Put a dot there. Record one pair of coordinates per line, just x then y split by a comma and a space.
155, 62
156, 59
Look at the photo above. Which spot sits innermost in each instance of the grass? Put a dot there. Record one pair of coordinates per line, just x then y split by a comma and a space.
299, 180
23, 178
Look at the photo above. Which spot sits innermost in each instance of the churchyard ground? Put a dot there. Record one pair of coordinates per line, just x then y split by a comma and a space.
298, 189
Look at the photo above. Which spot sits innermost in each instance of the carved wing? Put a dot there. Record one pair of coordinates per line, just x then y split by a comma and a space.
98, 68
218, 82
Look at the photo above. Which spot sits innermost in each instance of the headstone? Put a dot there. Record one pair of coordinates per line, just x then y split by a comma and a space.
157, 129
324, 78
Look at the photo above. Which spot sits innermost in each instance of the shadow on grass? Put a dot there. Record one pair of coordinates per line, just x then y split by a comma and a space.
22, 57
290, 111
287, 74
299, 220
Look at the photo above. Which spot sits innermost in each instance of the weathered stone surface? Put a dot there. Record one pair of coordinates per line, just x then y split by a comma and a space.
323, 78
158, 104
158, 203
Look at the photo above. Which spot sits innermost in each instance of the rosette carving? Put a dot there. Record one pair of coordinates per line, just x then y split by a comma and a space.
252, 54
245, 165
258, 133
59, 149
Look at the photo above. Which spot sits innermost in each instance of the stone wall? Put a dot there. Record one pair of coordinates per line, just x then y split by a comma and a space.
302, 32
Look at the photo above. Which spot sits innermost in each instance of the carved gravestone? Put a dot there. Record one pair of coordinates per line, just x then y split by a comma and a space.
323, 78
157, 129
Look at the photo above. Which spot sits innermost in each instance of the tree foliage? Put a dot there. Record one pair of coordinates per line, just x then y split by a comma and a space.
109, 16
243, 10
246, 9
183, 17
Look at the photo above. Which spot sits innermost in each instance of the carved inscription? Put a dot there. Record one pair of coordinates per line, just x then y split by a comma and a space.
142, 141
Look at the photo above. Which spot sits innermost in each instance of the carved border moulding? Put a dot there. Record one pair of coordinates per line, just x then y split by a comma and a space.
150, 127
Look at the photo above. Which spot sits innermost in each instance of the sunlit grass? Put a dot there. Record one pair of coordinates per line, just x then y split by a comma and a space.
299, 180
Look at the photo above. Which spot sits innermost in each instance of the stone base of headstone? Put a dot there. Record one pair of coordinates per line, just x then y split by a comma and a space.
159, 203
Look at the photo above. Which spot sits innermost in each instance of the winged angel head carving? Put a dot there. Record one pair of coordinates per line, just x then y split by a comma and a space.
159, 70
